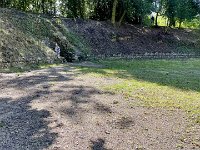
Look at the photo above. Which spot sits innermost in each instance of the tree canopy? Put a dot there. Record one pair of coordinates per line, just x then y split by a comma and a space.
132, 11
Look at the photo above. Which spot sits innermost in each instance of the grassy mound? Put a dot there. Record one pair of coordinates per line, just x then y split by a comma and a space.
28, 37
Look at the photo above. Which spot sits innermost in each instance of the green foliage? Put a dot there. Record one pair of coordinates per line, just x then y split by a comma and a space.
180, 10
132, 11
137, 10
102, 9
193, 24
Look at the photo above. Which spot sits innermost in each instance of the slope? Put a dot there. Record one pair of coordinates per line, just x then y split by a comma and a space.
30, 38
132, 39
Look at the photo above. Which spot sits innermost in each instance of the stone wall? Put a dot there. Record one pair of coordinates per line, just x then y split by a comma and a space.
151, 56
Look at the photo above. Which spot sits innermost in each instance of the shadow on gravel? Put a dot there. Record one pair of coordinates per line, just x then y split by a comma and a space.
23, 127
80, 95
99, 144
51, 75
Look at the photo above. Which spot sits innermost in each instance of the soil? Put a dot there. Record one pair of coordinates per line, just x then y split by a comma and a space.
60, 109
104, 39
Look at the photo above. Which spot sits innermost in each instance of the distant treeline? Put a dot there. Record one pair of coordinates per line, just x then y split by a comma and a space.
118, 11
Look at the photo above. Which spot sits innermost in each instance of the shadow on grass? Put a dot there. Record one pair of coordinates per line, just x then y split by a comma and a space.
182, 74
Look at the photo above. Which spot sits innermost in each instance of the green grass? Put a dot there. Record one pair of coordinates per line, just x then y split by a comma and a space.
155, 83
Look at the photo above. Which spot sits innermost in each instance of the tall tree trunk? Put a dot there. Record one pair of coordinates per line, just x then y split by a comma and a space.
43, 7
82, 9
167, 22
157, 19
180, 23
114, 9
122, 18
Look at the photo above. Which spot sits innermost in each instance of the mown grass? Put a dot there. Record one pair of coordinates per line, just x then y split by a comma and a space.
155, 83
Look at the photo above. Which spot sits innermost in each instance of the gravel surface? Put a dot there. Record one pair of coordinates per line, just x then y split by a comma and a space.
60, 109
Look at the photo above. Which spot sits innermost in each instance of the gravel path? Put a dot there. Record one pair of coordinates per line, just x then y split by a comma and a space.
60, 109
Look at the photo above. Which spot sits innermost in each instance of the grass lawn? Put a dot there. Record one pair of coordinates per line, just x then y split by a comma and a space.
155, 83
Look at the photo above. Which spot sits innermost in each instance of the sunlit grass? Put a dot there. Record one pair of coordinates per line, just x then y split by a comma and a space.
155, 83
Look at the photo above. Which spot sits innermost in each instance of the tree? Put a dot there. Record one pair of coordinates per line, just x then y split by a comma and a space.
185, 10
102, 9
157, 7
131, 11
114, 9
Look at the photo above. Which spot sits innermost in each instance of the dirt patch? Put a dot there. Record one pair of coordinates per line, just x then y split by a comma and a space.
58, 108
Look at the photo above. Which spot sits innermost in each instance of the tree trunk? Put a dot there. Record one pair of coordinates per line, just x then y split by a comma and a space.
43, 7
157, 19
114, 9
82, 9
122, 18
180, 23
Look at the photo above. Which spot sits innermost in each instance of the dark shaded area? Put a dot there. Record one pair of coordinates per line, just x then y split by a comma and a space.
102, 108
24, 128
51, 75
98, 144
79, 95
123, 123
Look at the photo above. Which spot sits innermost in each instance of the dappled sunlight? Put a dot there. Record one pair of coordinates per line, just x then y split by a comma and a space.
41, 95
155, 95
64, 106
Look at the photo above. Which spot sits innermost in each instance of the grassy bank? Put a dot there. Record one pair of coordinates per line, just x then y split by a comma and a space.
26, 37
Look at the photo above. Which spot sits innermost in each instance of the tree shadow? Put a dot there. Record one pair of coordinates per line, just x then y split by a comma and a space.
123, 123
80, 95
24, 127
98, 144
28, 128
48, 76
